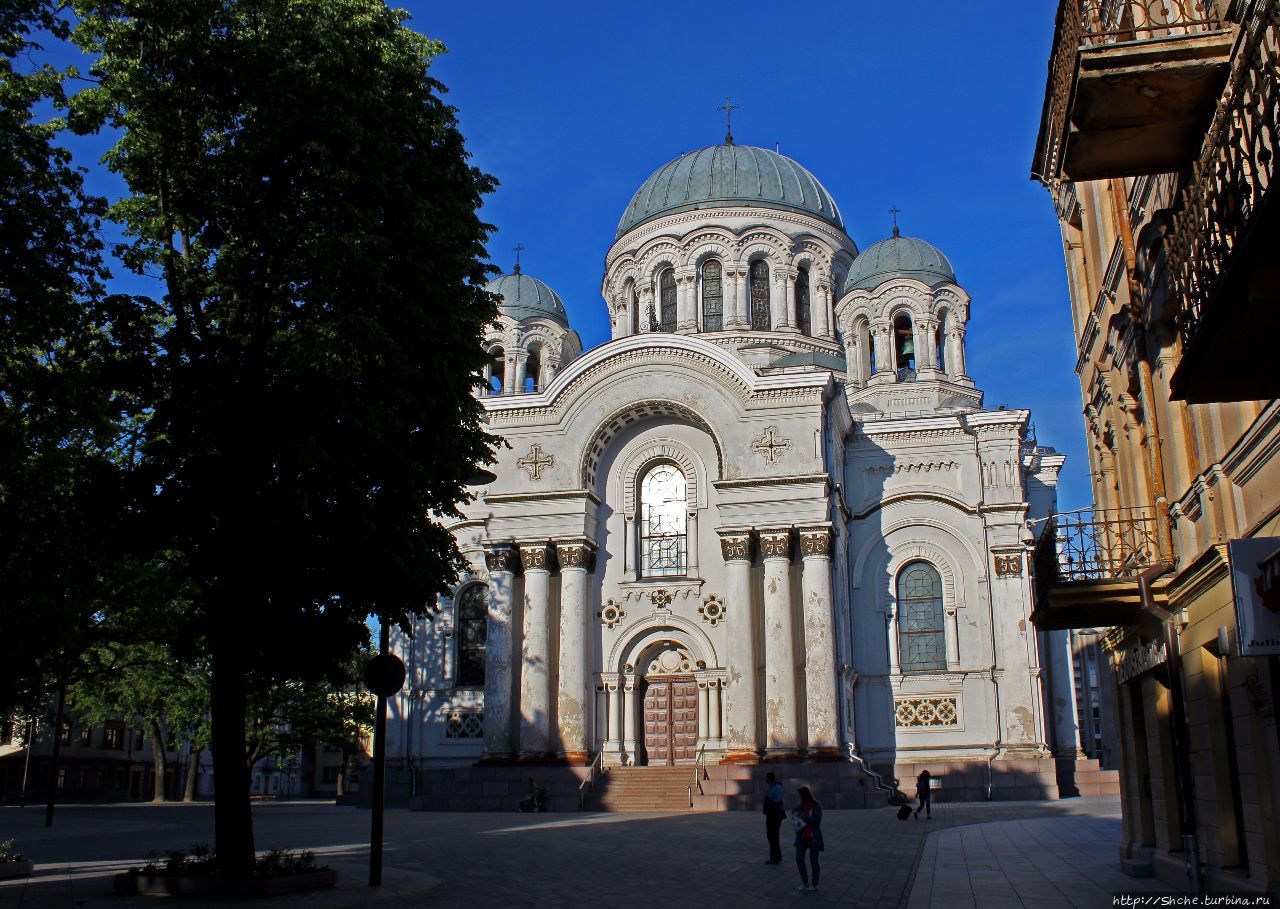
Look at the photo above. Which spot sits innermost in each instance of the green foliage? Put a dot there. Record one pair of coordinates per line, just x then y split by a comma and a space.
202, 861
74, 364
8, 853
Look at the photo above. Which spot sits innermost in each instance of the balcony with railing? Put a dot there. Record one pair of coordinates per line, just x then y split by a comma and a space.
1086, 566
1132, 87
1223, 259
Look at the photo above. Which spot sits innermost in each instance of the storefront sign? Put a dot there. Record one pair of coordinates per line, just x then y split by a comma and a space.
1137, 660
1255, 579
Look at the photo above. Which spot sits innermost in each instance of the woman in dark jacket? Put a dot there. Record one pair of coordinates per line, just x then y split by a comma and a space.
808, 821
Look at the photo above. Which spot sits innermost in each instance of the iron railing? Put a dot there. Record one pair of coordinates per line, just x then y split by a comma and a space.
1236, 169
1096, 545
1088, 23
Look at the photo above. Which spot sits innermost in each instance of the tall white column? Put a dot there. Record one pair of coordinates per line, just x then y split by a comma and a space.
522, 371
790, 319
630, 710
687, 303
779, 646
716, 725
777, 298
571, 712
737, 299
740, 691
821, 309
613, 710
882, 343
502, 562
704, 701
509, 375
1062, 696
955, 354
629, 554
821, 703
535, 680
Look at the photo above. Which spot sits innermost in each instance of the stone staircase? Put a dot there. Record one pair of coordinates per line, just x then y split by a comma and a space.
642, 789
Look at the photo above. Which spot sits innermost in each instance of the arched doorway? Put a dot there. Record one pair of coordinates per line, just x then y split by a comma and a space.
670, 708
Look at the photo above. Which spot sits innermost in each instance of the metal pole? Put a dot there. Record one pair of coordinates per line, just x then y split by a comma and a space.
57, 748
379, 767
1182, 757
26, 762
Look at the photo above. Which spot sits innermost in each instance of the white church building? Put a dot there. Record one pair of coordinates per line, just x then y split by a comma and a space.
769, 520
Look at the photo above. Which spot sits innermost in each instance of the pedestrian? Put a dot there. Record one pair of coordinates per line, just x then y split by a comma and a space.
774, 814
808, 823
924, 789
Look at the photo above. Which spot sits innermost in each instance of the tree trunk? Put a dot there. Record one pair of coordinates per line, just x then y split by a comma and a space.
342, 772
160, 760
193, 774
232, 819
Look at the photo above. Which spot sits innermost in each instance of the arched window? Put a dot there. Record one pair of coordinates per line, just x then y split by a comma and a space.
663, 521
472, 630
760, 294
712, 296
904, 347
922, 645
804, 311
940, 343
533, 370
497, 370
667, 301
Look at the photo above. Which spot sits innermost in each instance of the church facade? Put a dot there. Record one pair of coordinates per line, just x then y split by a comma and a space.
770, 519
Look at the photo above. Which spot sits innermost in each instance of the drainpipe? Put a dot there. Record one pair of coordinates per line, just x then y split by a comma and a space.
1181, 733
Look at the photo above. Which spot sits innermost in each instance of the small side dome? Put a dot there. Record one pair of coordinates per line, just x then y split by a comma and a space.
525, 297
899, 257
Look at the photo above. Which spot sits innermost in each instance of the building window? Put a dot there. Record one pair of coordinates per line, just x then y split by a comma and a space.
804, 309
760, 295
64, 736
904, 346
712, 296
497, 370
61, 783
473, 630
86, 735
663, 517
667, 301
113, 738
921, 635
331, 773
137, 740
940, 342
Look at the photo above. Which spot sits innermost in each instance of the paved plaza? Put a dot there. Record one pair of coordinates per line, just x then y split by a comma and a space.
997, 855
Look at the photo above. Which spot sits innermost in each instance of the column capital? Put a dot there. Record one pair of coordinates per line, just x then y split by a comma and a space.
535, 556
775, 542
574, 553
501, 557
815, 542
735, 545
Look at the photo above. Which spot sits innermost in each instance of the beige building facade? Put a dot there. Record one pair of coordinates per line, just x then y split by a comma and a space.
1158, 146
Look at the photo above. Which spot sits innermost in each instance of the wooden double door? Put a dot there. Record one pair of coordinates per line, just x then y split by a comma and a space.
670, 720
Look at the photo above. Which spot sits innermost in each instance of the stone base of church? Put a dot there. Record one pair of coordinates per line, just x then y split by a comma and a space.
824, 754
1008, 779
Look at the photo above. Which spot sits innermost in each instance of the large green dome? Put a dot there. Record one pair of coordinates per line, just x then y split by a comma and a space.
525, 297
899, 257
729, 175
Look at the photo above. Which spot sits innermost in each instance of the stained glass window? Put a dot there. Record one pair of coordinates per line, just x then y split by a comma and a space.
921, 634
473, 629
667, 301
663, 516
712, 297
760, 295
804, 314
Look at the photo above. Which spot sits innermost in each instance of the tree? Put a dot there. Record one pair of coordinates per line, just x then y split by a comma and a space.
74, 367
295, 178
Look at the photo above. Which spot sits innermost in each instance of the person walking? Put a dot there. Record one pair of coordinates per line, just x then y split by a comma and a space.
774, 813
808, 823
924, 791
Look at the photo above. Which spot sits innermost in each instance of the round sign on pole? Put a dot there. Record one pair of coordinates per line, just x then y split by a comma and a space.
385, 674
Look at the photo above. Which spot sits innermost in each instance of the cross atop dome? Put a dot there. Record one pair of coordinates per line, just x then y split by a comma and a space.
728, 107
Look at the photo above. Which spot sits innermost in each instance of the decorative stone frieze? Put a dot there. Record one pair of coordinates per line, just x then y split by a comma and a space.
771, 446
502, 558
660, 598
1008, 565
535, 556
536, 461
918, 713
775, 543
815, 541
712, 610
573, 553
735, 546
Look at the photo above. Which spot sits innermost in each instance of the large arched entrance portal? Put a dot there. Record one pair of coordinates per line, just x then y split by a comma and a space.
670, 694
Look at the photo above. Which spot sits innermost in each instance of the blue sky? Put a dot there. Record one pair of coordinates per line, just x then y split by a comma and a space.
931, 106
